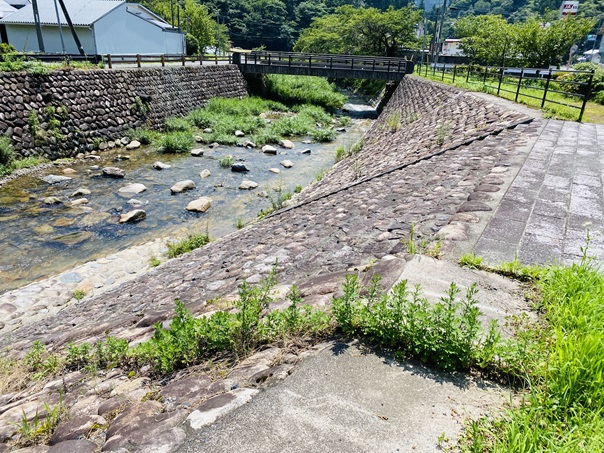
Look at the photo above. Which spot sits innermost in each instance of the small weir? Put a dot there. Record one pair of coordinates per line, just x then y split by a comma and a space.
38, 240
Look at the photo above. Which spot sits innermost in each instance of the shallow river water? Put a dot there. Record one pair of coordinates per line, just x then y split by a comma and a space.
38, 240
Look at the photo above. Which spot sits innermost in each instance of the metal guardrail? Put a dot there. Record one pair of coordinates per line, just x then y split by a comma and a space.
112, 60
546, 80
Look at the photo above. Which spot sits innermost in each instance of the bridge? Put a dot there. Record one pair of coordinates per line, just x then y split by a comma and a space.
323, 65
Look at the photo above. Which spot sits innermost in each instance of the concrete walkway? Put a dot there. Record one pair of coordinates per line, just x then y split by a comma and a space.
545, 214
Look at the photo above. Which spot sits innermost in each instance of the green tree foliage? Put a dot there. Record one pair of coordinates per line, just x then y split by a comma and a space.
361, 31
535, 43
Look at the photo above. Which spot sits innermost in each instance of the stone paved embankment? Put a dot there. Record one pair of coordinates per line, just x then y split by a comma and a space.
351, 221
338, 226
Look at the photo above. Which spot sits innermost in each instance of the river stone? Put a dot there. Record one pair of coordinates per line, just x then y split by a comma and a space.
55, 179
75, 428
52, 200
287, 163
181, 186
207, 130
74, 446
134, 144
205, 173
132, 189
161, 166
287, 144
113, 172
135, 202
73, 238
80, 191
306, 151
473, 206
94, 218
197, 152
453, 232
239, 168
268, 149
274, 170
133, 216
79, 202
69, 171
200, 205
44, 229
63, 222
239, 133
249, 144
124, 141
248, 185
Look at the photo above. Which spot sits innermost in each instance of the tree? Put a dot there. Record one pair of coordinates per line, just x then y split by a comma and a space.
487, 39
200, 25
543, 44
361, 31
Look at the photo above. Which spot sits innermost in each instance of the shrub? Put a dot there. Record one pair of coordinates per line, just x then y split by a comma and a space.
144, 136
201, 118
301, 89
323, 135
176, 124
176, 142
6, 151
226, 162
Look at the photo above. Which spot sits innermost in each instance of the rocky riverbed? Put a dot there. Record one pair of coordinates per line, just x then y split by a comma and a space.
78, 211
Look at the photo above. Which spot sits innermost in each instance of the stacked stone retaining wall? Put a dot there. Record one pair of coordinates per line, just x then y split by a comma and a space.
64, 113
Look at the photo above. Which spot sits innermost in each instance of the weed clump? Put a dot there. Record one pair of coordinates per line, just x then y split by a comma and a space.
176, 142
190, 243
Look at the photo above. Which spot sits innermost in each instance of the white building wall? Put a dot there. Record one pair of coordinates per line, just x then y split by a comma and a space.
121, 32
25, 39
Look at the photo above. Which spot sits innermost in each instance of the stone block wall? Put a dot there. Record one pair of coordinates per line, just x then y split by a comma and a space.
67, 112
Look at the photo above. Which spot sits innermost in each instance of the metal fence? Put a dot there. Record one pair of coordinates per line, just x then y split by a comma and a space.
140, 60
570, 84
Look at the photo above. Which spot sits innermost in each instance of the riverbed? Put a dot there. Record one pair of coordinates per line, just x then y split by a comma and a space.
38, 240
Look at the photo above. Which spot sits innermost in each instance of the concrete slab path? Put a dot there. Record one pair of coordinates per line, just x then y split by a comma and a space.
557, 195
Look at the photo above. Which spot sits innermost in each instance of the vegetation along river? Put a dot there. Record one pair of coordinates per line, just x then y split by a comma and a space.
38, 240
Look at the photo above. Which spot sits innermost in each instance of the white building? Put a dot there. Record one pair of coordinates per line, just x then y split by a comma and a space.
103, 27
451, 47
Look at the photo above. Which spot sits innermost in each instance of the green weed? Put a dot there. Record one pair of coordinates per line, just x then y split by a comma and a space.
79, 294
176, 142
472, 261
323, 135
39, 429
177, 124
190, 243
417, 245
226, 162
154, 261
301, 89
144, 136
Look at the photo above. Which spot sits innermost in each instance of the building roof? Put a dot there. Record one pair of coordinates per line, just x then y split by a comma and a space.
6, 9
81, 12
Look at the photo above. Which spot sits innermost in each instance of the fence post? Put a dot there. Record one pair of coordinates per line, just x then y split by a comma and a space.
200, 59
183, 59
138, 60
586, 96
443, 74
484, 79
454, 72
330, 62
309, 61
289, 63
163, 60
500, 78
468, 73
549, 76
519, 83
216, 57
109, 62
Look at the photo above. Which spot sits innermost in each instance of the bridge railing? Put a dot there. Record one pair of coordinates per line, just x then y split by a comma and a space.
112, 60
326, 61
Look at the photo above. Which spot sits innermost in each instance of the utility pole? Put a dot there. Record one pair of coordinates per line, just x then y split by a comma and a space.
34, 5
440, 29
218, 33
60, 27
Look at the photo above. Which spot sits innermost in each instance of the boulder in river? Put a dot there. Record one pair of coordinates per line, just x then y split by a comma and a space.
81, 191
52, 200
200, 205
161, 166
268, 149
239, 168
79, 202
287, 144
287, 163
181, 186
132, 189
246, 184
197, 152
55, 179
205, 173
73, 238
113, 172
134, 144
239, 133
274, 170
133, 216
